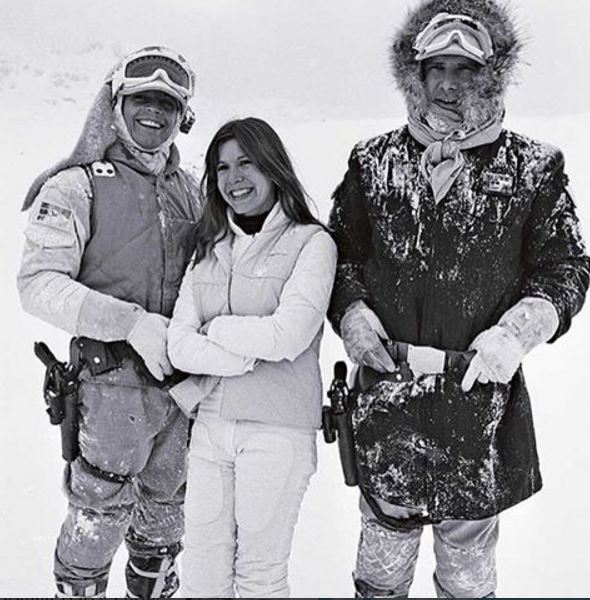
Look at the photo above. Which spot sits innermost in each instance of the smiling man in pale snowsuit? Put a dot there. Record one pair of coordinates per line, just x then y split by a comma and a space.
110, 233
459, 252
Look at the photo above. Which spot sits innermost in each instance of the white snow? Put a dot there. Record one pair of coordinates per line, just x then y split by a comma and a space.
53, 60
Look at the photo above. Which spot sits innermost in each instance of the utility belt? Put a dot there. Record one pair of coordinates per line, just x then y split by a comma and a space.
410, 359
101, 357
60, 387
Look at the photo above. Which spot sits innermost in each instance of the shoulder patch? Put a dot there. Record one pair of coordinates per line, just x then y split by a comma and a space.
103, 169
53, 215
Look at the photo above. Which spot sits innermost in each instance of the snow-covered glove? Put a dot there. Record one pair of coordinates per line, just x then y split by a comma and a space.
500, 349
498, 356
148, 338
362, 333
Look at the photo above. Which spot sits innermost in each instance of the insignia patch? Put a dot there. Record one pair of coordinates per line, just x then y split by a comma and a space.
103, 169
53, 215
500, 184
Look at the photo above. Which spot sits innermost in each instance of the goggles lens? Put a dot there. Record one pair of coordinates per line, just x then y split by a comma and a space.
146, 66
444, 40
446, 29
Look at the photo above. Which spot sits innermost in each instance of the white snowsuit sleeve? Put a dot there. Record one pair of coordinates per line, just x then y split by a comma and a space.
303, 303
55, 239
193, 352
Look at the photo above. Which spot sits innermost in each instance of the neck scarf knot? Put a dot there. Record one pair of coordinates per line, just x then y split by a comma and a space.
443, 159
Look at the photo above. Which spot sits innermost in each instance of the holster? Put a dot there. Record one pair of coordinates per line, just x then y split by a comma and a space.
60, 391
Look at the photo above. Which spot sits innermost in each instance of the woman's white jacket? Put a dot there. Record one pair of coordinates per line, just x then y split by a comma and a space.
248, 322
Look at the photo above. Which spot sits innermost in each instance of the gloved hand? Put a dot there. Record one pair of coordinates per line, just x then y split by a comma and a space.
499, 354
362, 332
500, 350
148, 339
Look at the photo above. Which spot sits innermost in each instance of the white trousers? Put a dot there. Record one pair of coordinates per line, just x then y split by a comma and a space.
246, 481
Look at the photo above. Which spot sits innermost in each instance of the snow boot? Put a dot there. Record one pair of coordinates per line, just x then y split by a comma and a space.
98, 589
153, 576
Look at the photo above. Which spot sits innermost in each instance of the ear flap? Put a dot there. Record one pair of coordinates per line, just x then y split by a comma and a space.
188, 120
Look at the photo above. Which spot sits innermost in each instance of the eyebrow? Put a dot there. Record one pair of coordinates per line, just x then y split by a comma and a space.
240, 156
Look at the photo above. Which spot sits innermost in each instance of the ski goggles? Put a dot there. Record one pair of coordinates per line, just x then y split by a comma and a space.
149, 66
154, 68
454, 34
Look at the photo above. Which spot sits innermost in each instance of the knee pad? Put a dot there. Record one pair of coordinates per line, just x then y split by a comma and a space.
153, 575
79, 589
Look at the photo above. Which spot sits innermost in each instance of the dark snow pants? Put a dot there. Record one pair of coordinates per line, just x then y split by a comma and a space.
129, 481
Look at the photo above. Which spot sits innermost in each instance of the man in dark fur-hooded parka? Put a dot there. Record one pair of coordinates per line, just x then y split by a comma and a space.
459, 252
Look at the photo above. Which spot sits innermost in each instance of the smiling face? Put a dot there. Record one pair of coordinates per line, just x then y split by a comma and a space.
241, 184
150, 117
447, 80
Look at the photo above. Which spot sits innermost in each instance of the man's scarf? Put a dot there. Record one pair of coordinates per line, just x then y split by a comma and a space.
442, 161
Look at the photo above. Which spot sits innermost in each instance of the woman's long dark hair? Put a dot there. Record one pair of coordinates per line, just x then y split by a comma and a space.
260, 142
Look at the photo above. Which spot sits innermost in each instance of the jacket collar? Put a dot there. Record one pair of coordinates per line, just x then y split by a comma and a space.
118, 153
276, 220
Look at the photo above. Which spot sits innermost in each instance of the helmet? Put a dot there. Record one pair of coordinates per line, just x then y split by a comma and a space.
458, 35
154, 68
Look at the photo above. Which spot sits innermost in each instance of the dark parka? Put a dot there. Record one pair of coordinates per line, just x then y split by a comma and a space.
438, 275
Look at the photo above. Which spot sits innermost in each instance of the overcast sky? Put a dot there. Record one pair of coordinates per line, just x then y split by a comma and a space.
307, 59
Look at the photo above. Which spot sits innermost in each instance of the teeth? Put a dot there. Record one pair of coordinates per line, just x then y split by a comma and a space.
150, 123
240, 193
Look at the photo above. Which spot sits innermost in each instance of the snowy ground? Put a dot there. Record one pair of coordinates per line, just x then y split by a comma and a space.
543, 549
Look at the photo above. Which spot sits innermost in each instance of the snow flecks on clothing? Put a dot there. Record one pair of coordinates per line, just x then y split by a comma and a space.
383, 174
497, 408
570, 224
465, 558
438, 275
385, 559
398, 446
481, 568
86, 526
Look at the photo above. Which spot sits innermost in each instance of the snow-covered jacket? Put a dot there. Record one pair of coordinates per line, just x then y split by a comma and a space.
111, 235
438, 275
263, 299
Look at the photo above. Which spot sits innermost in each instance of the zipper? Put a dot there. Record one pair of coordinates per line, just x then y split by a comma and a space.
428, 318
163, 228
231, 274
233, 264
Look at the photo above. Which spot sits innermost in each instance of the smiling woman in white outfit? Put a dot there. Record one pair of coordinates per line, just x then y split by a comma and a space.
248, 324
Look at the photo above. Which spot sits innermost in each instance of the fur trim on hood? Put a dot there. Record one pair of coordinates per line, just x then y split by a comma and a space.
491, 80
